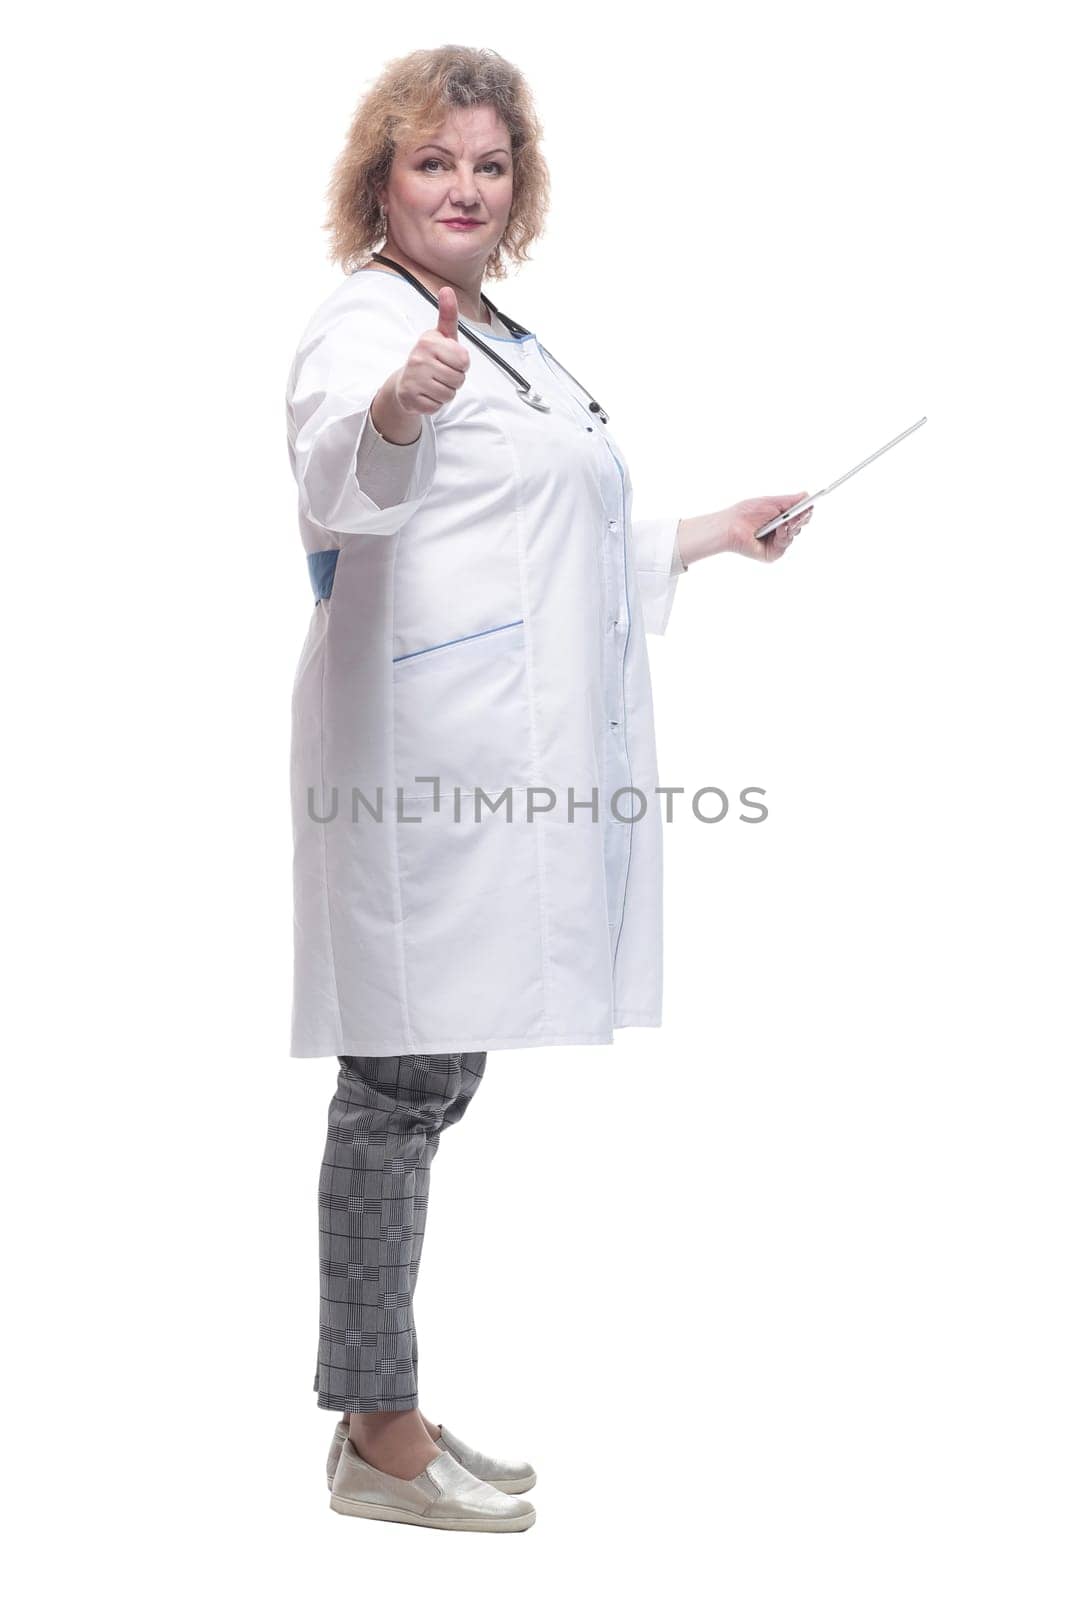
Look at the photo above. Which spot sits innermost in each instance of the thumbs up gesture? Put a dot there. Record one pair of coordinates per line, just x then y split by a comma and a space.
437, 365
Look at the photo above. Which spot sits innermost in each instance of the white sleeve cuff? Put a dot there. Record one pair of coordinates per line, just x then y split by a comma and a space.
656, 554
385, 470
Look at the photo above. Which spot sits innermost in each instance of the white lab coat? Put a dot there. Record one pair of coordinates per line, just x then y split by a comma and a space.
487, 631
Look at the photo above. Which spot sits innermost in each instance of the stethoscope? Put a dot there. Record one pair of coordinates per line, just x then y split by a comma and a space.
526, 389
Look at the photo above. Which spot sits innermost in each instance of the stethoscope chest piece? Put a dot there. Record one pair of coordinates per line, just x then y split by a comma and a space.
534, 399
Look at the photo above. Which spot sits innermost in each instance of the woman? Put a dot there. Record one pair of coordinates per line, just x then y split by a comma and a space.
472, 700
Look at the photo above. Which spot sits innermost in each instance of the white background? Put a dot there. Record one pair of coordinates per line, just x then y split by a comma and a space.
773, 1296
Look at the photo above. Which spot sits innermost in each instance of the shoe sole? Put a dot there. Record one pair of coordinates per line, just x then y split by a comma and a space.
382, 1513
512, 1485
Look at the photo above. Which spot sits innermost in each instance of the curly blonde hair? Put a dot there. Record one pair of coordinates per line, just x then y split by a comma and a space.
408, 101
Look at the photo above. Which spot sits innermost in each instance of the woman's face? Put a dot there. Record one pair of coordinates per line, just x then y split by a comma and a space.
462, 170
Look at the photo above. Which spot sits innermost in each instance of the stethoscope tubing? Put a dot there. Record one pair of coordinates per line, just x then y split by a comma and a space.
526, 389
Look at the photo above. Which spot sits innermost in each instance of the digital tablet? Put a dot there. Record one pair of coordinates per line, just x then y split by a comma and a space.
787, 516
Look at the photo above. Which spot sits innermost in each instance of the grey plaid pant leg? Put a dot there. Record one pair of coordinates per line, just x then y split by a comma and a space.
384, 1126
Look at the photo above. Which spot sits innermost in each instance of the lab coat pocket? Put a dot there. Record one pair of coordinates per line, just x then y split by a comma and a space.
461, 714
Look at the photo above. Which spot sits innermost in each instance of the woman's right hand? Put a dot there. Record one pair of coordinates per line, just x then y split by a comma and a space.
438, 364
429, 378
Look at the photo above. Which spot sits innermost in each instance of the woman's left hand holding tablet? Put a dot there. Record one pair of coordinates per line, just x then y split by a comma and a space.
735, 528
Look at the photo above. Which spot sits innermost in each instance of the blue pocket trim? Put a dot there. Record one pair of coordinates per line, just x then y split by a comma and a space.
321, 567
461, 640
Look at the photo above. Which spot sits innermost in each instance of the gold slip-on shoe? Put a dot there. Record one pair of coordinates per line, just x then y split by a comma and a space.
509, 1476
443, 1495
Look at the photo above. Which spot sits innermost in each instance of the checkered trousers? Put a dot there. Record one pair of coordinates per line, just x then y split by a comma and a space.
385, 1121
